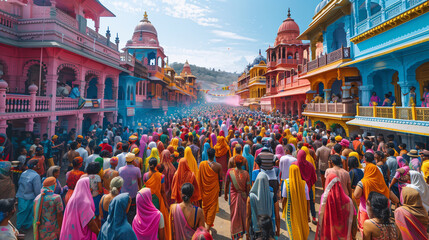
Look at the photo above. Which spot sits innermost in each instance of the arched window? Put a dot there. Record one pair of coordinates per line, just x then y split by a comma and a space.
151, 59
339, 37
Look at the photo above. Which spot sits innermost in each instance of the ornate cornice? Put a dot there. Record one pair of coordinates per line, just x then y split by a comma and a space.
396, 21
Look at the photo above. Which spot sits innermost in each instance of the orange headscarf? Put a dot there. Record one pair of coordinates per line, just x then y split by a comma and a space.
221, 147
184, 175
373, 181
192, 163
230, 135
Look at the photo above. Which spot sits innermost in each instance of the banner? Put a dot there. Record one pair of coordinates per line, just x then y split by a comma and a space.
88, 103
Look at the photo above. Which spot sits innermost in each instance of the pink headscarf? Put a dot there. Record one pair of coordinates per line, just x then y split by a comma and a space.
213, 139
146, 221
79, 212
280, 152
143, 143
308, 173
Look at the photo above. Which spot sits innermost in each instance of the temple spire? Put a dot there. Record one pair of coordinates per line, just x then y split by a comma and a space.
288, 13
145, 17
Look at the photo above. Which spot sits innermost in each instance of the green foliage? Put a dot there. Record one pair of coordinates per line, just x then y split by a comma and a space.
208, 77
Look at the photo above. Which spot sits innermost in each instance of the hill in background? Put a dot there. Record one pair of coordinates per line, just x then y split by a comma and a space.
210, 78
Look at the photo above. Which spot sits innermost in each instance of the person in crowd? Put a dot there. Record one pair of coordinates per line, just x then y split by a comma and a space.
7, 211
209, 179
185, 218
79, 220
138, 161
424, 155
285, 162
132, 183
48, 212
379, 157
223, 154
192, 163
386, 102
240, 188
356, 174
415, 163
337, 169
168, 172
412, 218
72, 154
7, 187
379, 225
154, 153
91, 158
418, 183
308, 174
374, 100
184, 175
115, 188
29, 187
154, 180
72, 177
117, 227
322, 157
55, 172
296, 204
202, 234
149, 222
40, 161
109, 174
249, 158
105, 155
266, 226
336, 211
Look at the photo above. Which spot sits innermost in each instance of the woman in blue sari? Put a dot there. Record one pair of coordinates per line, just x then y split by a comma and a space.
204, 155
249, 157
117, 226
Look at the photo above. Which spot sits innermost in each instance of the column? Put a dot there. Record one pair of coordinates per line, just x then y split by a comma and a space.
44, 126
3, 87
100, 90
51, 90
365, 94
51, 125
29, 125
100, 117
79, 121
32, 89
405, 88
3, 126
327, 95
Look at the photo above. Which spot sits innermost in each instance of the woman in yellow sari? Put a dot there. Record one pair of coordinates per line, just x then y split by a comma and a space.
230, 135
262, 134
296, 205
175, 143
154, 153
155, 181
287, 134
192, 163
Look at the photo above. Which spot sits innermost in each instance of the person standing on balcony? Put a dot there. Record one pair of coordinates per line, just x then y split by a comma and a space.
374, 99
75, 93
425, 97
387, 102
412, 96
62, 91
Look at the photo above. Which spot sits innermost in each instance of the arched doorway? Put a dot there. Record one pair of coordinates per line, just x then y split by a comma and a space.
108, 89
151, 59
121, 94
320, 88
34, 77
338, 129
422, 76
92, 89
67, 76
295, 108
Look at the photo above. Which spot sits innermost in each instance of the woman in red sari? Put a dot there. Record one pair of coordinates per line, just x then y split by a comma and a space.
336, 212
223, 153
240, 189
168, 172
73, 176
155, 181
181, 176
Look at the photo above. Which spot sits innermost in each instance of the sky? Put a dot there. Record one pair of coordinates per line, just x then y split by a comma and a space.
220, 34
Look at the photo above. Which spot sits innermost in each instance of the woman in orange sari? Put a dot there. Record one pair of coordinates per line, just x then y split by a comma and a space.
155, 181
223, 153
168, 172
184, 175
192, 163
73, 176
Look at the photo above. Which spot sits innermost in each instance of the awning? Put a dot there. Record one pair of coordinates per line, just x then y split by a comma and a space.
293, 91
153, 78
395, 125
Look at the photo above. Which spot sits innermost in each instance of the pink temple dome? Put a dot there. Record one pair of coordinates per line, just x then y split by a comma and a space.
288, 32
145, 34
186, 69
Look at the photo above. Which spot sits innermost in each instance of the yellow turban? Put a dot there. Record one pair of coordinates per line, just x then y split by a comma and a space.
338, 138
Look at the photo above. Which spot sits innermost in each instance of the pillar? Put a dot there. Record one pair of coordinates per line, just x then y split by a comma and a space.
51, 90
3, 87
29, 125
327, 95
100, 117
79, 121
51, 125
365, 94
3, 126
100, 91
44, 126
32, 89
346, 91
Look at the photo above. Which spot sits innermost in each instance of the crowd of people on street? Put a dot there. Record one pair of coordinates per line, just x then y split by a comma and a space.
163, 179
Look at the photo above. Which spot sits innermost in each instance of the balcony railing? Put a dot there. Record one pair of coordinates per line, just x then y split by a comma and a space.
109, 103
339, 54
127, 59
66, 104
342, 108
393, 112
258, 79
17, 103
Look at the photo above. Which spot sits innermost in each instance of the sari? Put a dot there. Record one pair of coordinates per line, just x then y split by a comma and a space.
230, 135
238, 199
371, 181
181, 176
419, 184
117, 226
412, 218
160, 147
79, 212
295, 212
175, 143
142, 146
262, 133
222, 153
213, 140
280, 152
192, 163
287, 134
208, 181
150, 146
154, 183
146, 221
154, 153
261, 201
168, 172
308, 157
336, 212
307, 170
204, 155
249, 157
182, 230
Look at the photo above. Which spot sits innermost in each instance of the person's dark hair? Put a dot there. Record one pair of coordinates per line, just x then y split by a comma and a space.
278, 136
318, 137
125, 147
181, 151
93, 168
355, 137
187, 191
211, 153
117, 152
152, 163
250, 136
289, 148
353, 162
7, 205
160, 167
380, 207
258, 138
238, 149
300, 145
105, 154
265, 224
97, 150
324, 141
420, 145
238, 164
403, 145
380, 154
75, 162
336, 160
369, 157
338, 148
390, 145
390, 137
367, 144
284, 140
73, 145
390, 152
186, 137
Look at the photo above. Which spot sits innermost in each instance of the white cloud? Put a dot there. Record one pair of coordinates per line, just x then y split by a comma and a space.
232, 35
216, 40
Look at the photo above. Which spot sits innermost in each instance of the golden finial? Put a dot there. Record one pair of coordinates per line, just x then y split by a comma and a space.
145, 16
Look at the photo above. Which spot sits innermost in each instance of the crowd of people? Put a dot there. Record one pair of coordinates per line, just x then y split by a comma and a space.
164, 179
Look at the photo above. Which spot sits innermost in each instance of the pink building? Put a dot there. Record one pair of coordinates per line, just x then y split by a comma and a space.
46, 49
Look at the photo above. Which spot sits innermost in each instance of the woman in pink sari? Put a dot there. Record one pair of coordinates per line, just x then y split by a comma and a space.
213, 140
336, 212
280, 152
148, 221
168, 172
79, 216
411, 217
142, 146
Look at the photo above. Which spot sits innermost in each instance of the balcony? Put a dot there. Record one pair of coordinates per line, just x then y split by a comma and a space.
127, 59
332, 108
257, 80
109, 103
66, 104
287, 61
402, 113
242, 87
339, 54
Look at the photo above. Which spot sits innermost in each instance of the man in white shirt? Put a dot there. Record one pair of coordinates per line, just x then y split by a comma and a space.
121, 157
92, 157
82, 152
286, 161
